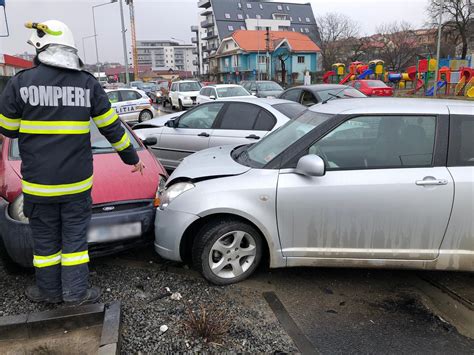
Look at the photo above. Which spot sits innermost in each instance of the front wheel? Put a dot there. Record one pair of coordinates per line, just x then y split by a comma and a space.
180, 107
227, 251
145, 115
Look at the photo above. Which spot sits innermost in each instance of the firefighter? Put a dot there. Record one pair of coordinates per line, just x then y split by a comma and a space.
49, 108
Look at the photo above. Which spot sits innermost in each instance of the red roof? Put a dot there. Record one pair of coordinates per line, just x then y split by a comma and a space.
17, 62
255, 40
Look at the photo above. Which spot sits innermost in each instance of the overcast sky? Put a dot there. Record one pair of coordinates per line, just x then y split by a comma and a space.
163, 19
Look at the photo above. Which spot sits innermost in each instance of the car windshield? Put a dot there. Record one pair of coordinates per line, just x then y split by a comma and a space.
99, 144
269, 86
191, 86
339, 93
376, 84
261, 153
232, 91
148, 87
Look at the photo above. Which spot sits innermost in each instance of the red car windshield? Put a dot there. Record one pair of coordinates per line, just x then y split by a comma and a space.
376, 84
99, 144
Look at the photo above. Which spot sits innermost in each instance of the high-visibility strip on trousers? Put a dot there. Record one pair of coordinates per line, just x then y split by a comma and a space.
47, 260
74, 259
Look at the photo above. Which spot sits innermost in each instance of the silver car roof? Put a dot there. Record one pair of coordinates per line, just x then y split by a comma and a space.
394, 106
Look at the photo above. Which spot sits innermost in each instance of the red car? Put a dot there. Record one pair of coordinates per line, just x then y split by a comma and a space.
372, 87
123, 202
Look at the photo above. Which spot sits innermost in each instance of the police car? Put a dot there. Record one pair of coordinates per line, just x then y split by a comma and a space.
132, 104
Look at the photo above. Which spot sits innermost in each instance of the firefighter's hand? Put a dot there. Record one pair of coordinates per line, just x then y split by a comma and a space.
139, 167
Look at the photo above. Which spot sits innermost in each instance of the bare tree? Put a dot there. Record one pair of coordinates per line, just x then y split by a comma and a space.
400, 45
334, 28
458, 16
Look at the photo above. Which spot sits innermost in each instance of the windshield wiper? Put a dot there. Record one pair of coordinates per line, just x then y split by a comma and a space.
333, 96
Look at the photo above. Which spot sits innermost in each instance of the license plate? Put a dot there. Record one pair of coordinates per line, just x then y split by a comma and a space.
113, 233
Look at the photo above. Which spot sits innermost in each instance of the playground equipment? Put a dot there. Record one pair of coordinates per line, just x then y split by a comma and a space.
466, 83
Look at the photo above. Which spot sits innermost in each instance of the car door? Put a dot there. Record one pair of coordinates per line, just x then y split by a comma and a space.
128, 109
242, 123
292, 95
194, 128
174, 94
381, 197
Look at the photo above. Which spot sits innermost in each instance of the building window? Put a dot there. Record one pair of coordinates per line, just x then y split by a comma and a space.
249, 6
299, 19
240, 16
240, 5
227, 15
301, 30
291, 18
279, 7
242, 27
306, 30
230, 28
261, 6
300, 59
258, 17
293, 29
288, 7
248, 16
262, 59
307, 19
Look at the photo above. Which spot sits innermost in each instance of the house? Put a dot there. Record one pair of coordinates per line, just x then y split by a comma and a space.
10, 65
259, 55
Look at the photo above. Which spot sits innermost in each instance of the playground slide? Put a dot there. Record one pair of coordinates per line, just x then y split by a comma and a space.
327, 75
470, 93
419, 84
346, 79
365, 74
439, 85
469, 85
460, 86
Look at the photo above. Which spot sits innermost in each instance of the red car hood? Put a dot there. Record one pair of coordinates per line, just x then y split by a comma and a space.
114, 181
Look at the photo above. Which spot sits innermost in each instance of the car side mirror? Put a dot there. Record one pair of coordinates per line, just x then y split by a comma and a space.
171, 124
149, 141
254, 93
311, 165
212, 97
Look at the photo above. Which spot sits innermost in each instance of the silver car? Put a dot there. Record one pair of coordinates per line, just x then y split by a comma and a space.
351, 183
237, 121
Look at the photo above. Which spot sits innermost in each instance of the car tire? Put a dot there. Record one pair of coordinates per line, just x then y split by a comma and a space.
216, 244
145, 115
19, 250
180, 107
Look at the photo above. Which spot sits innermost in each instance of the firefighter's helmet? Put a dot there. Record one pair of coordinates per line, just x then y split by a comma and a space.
50, 32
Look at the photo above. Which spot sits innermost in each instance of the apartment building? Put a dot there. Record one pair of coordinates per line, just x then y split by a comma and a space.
165, 54
220, 18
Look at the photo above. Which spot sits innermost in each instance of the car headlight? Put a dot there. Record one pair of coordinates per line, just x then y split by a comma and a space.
158, 94
187, 98
174, 191
159, 192
15, 210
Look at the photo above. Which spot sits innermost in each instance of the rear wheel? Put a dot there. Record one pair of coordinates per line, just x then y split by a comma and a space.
145, 115
227, 251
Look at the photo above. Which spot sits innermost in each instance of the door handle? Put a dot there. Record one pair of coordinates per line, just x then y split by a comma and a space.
252, 136
431, 182
204, 134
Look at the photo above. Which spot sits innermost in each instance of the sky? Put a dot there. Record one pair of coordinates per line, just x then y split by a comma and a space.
164, 19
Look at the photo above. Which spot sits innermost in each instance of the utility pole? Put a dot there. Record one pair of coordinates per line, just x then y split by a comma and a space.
124, 43
438, 49
267, 46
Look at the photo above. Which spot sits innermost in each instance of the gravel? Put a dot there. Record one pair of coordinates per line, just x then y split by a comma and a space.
145, 289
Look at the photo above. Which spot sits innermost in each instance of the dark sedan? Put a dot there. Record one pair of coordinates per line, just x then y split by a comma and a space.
314, 94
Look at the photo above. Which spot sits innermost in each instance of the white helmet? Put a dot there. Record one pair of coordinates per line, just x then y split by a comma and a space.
50, 32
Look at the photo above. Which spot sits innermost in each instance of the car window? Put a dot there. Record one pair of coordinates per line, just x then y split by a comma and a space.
232, 91
253, 87
379, 142
191, 86
173, 87
461, 143
269, 86
376, 84
204, 92
99, 143
239, 116
113, 97
291, 110
308, 99
357, 85
202, 117
212, 92
346, 93
129, 95
292, 95
265, 121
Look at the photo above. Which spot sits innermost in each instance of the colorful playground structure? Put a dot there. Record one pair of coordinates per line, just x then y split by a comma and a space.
455, 77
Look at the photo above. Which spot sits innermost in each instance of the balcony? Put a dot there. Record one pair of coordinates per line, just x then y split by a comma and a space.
194, 28
195, 51
209, 35
195, 62
207, 12
205, 4
209, 22
194, 40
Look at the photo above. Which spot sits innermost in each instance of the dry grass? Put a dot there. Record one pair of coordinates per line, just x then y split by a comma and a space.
210, 325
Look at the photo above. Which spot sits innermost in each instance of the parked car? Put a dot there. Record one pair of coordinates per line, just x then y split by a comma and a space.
223, 91
122, 217
372, 87
313, 94
380, 195
183, 94
211, 124
136, 84
132, 104
160, 93
263, 88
